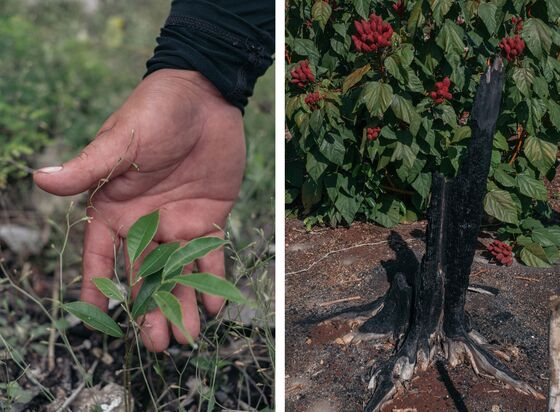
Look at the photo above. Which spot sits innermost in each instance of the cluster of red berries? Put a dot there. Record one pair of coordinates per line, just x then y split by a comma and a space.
518, 23
301, 74
512, 46
373, 34
501, 252
442, 91
312, 99
399, 8
373, 133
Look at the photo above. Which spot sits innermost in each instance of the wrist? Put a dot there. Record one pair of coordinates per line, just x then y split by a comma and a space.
191, 80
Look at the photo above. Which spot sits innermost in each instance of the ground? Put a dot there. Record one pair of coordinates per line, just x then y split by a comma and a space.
328, 271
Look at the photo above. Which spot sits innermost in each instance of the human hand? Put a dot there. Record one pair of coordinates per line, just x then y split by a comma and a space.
175, 145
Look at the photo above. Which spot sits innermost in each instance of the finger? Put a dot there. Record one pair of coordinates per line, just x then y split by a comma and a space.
189, 310
108, 156
98, 260
154, 331
213, 263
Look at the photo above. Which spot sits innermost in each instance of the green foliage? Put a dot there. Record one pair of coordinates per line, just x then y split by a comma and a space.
92, 316
43, 91
62, 75
335, 174
140, 235
161, 271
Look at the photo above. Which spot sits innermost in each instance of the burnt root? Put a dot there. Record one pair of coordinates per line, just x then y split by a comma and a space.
415, 356
386, 320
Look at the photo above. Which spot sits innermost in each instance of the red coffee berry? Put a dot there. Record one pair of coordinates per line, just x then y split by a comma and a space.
442, 91
512, 46
373, 133
301, 74
518, 23
372, 34
312, 99
501, 252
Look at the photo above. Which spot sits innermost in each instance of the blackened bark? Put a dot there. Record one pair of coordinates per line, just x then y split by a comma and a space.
465, 198
438, 322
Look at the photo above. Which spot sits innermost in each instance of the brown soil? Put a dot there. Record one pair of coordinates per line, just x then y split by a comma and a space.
324, 375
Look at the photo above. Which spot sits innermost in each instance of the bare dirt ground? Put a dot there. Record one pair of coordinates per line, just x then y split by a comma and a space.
323, 375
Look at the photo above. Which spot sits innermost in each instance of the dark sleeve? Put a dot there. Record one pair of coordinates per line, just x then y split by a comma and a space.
230, 42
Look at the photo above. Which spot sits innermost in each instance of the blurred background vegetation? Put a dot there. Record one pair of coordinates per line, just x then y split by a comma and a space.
66, 66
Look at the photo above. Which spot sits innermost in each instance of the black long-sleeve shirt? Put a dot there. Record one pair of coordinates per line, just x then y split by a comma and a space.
230, 42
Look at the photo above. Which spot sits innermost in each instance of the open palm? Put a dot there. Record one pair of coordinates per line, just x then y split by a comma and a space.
175, 145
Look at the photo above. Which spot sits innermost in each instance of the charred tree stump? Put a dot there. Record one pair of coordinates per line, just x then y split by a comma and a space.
554, 353
427, 318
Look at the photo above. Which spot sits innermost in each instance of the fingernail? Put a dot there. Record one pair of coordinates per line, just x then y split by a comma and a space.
50, 169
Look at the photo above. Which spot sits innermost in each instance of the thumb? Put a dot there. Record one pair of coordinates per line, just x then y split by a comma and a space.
108, 156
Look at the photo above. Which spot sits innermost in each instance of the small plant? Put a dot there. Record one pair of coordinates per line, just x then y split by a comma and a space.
161, 271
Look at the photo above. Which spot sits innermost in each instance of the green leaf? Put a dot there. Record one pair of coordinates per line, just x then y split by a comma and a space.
108, 288
321, 12
348, 206
388, 215
404, 109
487, 13
355, 77
532, 188
461, 133
333, 148
306, 48
554, 113
553, 9
545, 237
541, 154
450, 38
440, 8
140, 235
155, 261
537, 36
193, 250
377, 97
523, 78
144, 301
93, 316
315, 165
416, 18
171, 309
502, 177
422, 184
535, 256
500, 204
500, 141
414, 83
519, 4
446, 113
405, 153
362, 8
394, 68
211, 285
405, 54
